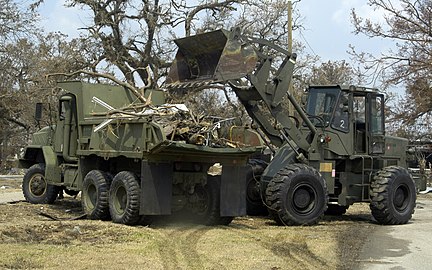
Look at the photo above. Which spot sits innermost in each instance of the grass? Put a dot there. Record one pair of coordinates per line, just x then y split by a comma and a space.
31, 241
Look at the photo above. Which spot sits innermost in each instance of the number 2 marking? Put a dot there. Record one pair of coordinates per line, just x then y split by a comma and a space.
342, 124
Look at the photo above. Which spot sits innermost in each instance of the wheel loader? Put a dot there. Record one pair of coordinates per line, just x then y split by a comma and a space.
330, 152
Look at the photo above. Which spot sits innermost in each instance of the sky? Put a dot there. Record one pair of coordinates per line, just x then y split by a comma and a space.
328, 31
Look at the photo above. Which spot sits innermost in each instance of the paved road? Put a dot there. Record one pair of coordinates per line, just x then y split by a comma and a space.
11, 197
401, 247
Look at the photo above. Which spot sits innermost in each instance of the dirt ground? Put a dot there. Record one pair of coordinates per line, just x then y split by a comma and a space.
31, 239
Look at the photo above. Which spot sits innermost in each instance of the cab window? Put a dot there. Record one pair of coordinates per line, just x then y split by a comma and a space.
321, 104
340, 119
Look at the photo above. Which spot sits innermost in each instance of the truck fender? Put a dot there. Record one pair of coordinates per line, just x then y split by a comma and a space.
283, 157
52, 169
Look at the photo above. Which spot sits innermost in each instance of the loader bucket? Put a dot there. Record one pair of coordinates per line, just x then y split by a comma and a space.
208, 58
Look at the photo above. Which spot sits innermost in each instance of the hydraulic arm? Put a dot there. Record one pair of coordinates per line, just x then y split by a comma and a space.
227, 57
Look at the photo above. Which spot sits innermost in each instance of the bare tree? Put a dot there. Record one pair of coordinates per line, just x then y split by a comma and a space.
135, 35
408, 24
27, 54
333, 72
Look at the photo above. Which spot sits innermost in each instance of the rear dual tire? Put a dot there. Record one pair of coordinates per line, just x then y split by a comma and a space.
254, 202
94, 196
124, 200
209, 208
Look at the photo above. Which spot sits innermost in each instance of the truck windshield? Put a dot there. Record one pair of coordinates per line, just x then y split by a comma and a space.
321, 104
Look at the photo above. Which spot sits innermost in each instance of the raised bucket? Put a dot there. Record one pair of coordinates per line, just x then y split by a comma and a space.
210, 57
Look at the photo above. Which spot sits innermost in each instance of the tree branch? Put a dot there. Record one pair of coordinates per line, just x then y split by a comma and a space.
128, 86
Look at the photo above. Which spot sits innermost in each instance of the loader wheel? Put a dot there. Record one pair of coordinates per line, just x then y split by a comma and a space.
297, 195
208, 203
94, 196
254, 202
393, 196
335, 210
35, 187
124, 198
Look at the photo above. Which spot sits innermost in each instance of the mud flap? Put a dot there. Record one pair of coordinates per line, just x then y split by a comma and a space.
156, 188
233, 190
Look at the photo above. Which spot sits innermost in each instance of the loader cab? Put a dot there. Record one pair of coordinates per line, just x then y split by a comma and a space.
368, 114
353, 116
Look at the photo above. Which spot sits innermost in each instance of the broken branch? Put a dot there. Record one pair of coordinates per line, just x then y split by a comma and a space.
128, 86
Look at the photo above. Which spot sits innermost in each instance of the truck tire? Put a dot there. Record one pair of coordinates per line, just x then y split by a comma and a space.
254, 203
393, 196
94, 195
209, 209
36, 189
336, 210
297, 195
124, 198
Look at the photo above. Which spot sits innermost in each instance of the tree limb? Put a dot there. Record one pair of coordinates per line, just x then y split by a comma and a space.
128, 86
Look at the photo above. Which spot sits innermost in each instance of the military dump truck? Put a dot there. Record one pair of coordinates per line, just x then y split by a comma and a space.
132, 159
328, 154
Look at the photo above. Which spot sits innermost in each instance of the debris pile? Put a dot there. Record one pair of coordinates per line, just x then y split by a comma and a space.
200, 130
178, 123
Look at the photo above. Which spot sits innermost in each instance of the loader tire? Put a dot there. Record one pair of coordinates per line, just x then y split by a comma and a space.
124, 198
94, 196
297, 195
209, 207
35, 187
254, 203
393, 196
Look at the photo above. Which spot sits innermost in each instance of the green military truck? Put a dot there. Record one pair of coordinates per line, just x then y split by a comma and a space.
328, 154
125, 158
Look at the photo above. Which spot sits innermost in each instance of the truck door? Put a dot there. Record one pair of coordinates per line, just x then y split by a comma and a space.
375, 117
360, 138
66, 133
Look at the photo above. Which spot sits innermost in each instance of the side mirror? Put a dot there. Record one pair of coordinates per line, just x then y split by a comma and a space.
38, 111
344, 104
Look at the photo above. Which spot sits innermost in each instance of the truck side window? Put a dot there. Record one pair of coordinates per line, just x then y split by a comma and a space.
62, 111
360, 112
340, 119
377, 126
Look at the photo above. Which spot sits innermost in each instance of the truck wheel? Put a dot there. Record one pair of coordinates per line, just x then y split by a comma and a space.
94, 196
297, 195
124, 198
35, 187
254, 202
393, 196
335, 210
208, 203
